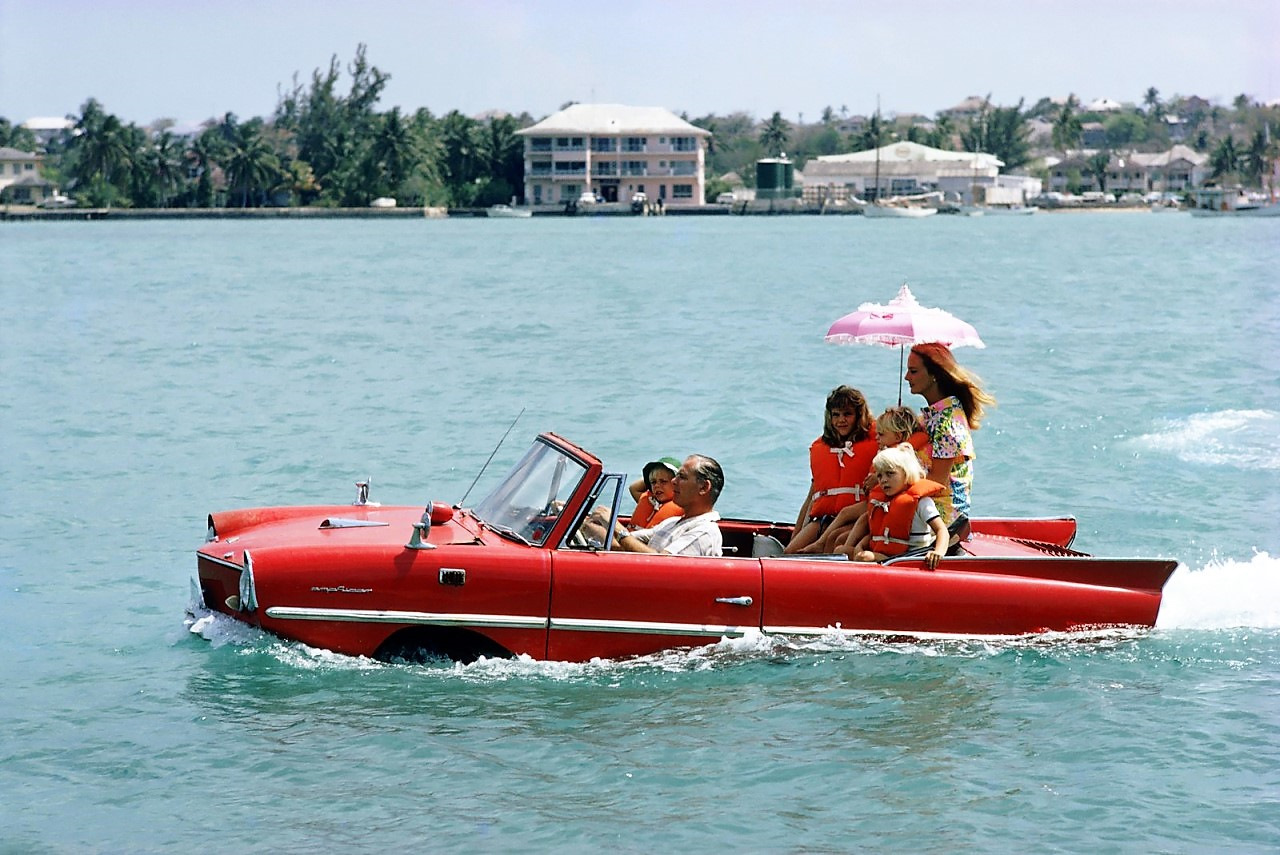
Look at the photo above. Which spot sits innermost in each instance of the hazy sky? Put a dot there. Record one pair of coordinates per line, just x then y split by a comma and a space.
149, 59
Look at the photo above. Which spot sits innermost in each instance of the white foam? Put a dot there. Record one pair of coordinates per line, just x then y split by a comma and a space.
219, 629
1243, 439
1224, 594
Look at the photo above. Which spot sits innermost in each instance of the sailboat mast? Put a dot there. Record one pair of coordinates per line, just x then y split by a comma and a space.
877, 150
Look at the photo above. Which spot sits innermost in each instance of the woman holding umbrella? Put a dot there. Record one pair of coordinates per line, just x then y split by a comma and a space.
957, 403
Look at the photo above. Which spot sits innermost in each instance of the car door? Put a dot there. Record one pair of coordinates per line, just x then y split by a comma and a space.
612, 604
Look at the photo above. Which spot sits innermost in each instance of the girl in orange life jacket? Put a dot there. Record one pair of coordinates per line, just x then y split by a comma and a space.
894, 426
839, 461
900, 513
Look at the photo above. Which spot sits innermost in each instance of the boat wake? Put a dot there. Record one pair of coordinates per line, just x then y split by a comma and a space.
1224, 594
1243, 439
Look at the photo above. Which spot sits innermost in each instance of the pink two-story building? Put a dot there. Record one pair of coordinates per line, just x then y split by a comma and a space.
614, 152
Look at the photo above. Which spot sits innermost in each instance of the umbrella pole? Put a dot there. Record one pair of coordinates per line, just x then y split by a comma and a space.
901, 356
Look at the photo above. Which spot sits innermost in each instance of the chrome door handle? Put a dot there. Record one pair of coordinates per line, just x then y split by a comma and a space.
735, 601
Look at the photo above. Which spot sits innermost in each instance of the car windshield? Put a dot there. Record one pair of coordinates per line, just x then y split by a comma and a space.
529, 501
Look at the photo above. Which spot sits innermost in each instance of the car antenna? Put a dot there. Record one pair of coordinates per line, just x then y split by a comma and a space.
490, 460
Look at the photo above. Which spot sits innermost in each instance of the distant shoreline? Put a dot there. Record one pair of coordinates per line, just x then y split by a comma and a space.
29, 213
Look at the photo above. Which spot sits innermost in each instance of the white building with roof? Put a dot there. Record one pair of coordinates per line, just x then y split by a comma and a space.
968, 109
614, 151
20, 178
1177, 170
904, 169
45, 128
1104, 105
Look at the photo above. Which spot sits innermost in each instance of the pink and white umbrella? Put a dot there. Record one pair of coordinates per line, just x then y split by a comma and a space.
900, 323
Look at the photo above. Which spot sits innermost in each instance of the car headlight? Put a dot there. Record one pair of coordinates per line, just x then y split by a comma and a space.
248, 594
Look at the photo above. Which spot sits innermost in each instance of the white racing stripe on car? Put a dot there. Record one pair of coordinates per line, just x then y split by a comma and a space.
645, 627
504, 621
422, 618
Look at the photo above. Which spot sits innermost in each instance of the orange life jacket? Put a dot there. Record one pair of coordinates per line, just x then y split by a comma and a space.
647, 516
924, 448
889, 519
839, 474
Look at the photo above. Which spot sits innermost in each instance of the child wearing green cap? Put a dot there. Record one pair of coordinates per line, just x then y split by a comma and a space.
655, 504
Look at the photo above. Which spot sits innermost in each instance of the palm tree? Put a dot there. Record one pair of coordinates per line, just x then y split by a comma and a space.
1256, 159
1152, 102
202, 154
460, 156
999, 131
1225, 158
775, 135
252, 167
709, 123
162, 169
16, 136
394, 150
869, 138
1067, 129
1097, 167
430, 147
943, 130
504, 152
101, 147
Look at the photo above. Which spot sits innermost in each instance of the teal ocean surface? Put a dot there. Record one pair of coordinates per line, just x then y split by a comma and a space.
152, 372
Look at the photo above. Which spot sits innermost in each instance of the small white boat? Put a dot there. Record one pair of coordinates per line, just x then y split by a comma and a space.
1232, 202
1007, 210
1272, 210
508, 212
898, 211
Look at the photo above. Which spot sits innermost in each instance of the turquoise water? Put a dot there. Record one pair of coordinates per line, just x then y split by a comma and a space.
152, 372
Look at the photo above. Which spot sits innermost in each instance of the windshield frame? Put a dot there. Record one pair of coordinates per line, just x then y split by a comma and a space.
619, 480
539, 497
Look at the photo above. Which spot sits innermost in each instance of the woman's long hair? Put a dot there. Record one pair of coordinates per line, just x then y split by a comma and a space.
955, 380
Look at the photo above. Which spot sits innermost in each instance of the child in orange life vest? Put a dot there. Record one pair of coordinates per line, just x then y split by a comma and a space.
839, 461
895, 426
658, 502
900, 513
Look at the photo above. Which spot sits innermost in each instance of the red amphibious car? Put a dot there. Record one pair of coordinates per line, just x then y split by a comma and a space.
513, 575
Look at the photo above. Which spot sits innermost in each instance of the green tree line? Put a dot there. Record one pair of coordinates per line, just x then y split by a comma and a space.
321, 146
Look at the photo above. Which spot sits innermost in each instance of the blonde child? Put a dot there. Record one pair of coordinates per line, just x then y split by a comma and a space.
901, 514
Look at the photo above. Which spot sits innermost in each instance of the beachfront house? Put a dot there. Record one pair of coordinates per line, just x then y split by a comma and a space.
1174, 171
904, 169
613, 152
20, 180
